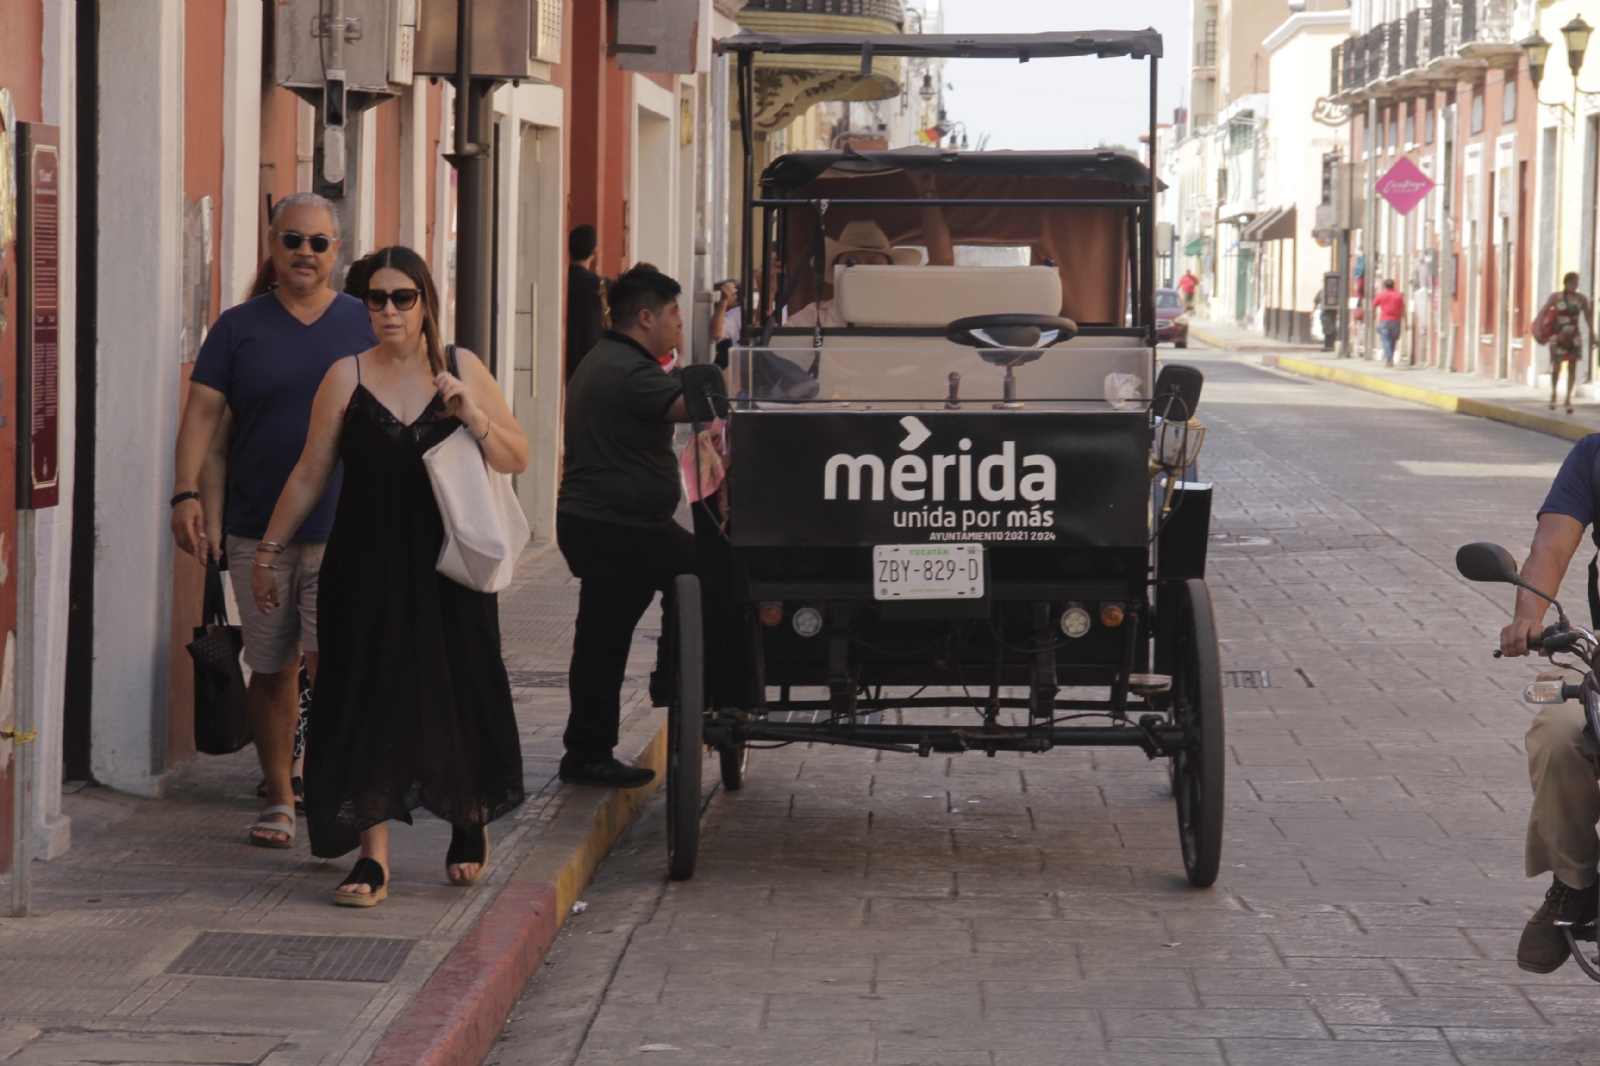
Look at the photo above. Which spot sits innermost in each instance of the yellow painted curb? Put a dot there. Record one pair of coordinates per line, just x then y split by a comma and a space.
1444, 401
586, 828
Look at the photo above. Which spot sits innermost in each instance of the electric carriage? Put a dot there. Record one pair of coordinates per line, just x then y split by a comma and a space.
943, 470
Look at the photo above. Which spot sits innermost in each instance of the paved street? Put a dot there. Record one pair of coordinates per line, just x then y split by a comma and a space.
857, 907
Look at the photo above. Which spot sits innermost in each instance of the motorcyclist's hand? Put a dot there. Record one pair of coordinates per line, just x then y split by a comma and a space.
1514, 637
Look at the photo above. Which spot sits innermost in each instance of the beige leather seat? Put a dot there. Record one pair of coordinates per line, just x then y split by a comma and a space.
933, 296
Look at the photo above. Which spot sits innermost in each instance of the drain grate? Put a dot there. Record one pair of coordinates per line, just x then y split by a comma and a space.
293, 958
1247, 679
555, 679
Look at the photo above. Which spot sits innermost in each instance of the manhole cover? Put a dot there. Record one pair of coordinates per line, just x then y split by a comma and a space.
1238, 540
293, 958
1247, 679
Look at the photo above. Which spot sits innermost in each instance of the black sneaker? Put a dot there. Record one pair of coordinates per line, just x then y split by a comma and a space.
1543, 948
607, 773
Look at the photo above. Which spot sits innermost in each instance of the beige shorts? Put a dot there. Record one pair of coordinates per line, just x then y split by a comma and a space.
272, 642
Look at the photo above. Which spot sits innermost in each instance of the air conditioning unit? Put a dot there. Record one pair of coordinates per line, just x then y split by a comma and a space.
511, 39
546, 20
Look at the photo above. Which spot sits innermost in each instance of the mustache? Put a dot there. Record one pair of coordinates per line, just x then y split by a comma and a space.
298, 262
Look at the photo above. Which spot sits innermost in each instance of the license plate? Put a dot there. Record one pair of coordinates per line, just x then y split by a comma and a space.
927, 571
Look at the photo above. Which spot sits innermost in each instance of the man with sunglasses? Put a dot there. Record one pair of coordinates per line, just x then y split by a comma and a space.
264, 360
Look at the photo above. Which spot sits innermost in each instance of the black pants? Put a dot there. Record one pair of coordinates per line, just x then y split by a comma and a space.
1330, 329
621, 568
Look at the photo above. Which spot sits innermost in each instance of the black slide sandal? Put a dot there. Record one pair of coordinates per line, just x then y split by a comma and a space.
365, 872
467, 846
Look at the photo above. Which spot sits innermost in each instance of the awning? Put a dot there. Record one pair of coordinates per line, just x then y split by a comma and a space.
1196, 246
1020, 46
1273, 224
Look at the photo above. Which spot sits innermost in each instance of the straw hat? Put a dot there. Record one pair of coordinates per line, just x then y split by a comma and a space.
865, 235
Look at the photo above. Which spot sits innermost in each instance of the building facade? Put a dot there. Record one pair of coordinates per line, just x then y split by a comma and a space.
181, 122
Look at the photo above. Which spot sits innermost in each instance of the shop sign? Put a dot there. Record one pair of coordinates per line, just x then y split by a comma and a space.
38, 352
1404, 186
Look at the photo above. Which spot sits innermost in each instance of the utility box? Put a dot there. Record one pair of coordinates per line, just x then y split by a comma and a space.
659, 36
511, 39
379, 38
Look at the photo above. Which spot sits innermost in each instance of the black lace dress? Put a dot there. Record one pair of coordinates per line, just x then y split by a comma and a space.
412, 707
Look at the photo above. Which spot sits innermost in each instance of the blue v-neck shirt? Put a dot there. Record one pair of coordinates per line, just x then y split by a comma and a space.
269, 365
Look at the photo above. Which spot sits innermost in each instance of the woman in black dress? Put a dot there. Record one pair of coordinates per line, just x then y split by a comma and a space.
412, 707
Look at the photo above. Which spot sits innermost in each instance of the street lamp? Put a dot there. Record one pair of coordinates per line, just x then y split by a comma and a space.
927, 92
1537, 50
1577, 34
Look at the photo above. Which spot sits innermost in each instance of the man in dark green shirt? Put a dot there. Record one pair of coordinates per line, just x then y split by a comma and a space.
614, 524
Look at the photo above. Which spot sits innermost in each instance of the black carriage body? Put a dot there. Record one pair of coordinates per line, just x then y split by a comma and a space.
845, 450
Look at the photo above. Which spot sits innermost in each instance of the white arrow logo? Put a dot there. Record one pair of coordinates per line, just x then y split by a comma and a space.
916, 433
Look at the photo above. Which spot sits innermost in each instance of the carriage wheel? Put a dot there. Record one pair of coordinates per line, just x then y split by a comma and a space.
1198, 770
735, 760
684, 723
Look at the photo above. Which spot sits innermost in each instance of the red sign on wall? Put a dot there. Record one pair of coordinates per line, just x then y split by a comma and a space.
38, 350
1404, 186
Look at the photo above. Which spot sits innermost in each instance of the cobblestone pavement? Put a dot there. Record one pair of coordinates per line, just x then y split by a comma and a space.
859, 907
97, 977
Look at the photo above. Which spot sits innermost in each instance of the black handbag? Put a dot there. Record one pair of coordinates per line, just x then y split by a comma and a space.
221, 715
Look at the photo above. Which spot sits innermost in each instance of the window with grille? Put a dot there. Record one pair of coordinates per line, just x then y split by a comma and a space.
546, 35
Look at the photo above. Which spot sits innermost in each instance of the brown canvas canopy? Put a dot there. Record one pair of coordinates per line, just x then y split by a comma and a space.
1088, 243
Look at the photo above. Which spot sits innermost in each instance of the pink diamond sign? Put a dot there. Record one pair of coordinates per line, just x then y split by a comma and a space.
1404, 186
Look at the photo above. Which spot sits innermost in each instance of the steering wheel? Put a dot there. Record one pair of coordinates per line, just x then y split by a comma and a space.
1012, 339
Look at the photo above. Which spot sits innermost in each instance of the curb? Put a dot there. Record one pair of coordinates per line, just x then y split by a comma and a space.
1234, 346
461, 1010
1444, 401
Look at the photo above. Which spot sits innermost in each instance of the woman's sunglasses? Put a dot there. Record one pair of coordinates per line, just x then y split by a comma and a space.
292, 241
403, 299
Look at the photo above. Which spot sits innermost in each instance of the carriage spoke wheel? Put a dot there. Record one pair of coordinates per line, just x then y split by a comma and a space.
685, 714
1197, 771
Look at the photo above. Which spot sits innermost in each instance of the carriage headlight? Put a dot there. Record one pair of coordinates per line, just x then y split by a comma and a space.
1075, 621
807, 621
1178, 443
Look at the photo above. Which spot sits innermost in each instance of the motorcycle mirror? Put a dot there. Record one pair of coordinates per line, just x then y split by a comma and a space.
1484, 561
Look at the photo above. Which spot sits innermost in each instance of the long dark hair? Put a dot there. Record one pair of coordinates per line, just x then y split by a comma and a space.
399, 257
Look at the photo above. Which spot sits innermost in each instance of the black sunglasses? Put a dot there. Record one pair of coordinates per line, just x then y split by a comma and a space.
292, 241
403, 299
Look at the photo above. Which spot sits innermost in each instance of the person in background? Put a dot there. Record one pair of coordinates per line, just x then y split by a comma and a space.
1328, 311
263, 361
1391, 308
1566, 340
727, 319
586, 297
412, 706
1186, 286
614, 514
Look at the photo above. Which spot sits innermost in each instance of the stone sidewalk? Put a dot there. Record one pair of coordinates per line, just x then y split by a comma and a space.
163, 937
1469, 394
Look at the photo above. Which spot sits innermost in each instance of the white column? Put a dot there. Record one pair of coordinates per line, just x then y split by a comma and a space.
52, 830
508, 165
141, 226
415, 159
366, 185
241, 149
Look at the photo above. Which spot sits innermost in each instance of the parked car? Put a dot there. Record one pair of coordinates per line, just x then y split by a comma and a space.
1172, 320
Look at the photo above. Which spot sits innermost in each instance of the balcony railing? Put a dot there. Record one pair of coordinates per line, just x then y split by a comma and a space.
1443, 38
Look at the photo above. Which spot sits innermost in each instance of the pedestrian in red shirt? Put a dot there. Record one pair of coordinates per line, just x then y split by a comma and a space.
1186, 285
1391, 307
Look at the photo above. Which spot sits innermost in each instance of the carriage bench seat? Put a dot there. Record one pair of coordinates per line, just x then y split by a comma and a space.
931, 296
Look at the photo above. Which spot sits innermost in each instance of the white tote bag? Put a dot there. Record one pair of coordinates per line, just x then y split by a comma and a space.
484, 527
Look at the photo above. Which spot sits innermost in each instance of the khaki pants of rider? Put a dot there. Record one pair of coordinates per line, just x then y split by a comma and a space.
1566, 798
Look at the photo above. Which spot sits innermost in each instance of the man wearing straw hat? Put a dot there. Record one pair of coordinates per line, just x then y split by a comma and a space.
861, 243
